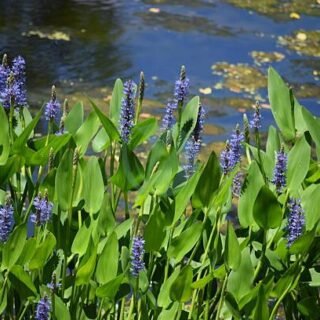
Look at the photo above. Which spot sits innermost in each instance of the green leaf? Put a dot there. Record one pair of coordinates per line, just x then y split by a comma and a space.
43, 252
122, 229
184, 195
208, 183
261, 310
106, 123
82, 238
164, 294
86, 132
302, 244
188, 122
130, 172
28, 251
4, 137
313, 125
64, 180
298, 165
110, 289
266, 210
61, 310
254, 182
115, 105
12, 249
201, 283
232, 253
13, 165
93, 186
24, 136
154, 240
85, 271
183, 243
310, 202
142, 132
181, 288
157, 153
23, 280
101, 141
240, 281
74, 118
107, 266
281, 105
170, 313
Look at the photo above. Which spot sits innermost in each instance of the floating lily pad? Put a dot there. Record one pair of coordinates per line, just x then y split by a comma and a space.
240, 77
184, 23
261, 57
303, 42
279, 9
54, 35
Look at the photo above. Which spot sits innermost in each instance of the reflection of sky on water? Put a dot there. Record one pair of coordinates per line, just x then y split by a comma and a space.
120, 38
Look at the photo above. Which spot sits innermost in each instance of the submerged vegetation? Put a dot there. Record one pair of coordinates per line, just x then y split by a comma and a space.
90, 230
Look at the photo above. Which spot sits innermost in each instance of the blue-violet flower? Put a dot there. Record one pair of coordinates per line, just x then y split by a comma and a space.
6, 221
52, 109
43, 209
280, 170
43, 309
295, 220
137, 263
127, 110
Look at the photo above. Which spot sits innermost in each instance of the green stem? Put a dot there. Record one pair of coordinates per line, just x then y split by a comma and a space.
126, 203
264, 247
123, 301
24, 310
221, 297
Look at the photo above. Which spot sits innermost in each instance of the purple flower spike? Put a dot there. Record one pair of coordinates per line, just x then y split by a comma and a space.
227, 159
11, 93
43, 210
295, 220
236, 144
237, 185
255, 122
53, 106
43, 309
4, 73
280, 170
19, 72
193, 145
6, 222
168, 119
127, 110
181, 89
137, 263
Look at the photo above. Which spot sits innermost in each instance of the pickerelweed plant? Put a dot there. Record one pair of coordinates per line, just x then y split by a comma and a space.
89, 230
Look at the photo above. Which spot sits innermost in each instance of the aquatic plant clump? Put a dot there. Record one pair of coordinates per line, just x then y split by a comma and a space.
129, 222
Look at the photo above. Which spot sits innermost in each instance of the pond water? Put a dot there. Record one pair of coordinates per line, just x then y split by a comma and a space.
83, 45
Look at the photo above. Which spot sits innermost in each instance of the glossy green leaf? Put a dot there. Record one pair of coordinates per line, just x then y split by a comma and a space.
142, 132
86, 132
183, 243
107, 266
240, 281
12, 249
164, 294
13, 165
310, 201
181, 287
261, 310
130, 172
281, 105
110, 289
115, 105
106, 123
24, 279
64, 180
302, 244
93, 186
266, 210
24, 136
4, 137
313, 125
208, 183
253, 183
101, 141
86, 270
298, 164
81, 241
154, 240
43, 252
74, 118
232, 253
122, 228
61, 310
